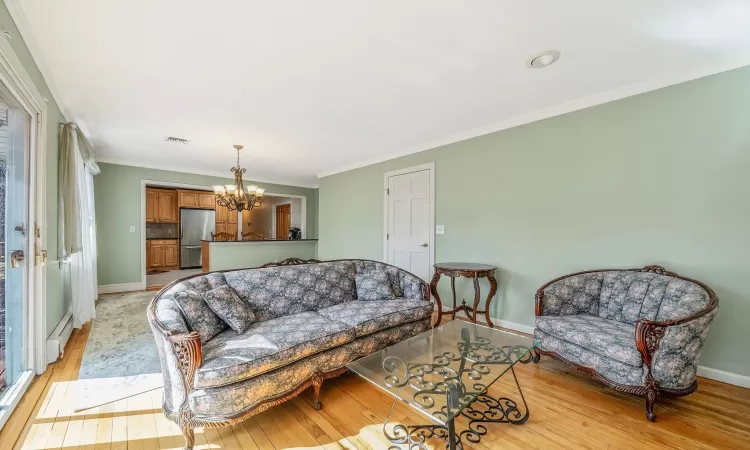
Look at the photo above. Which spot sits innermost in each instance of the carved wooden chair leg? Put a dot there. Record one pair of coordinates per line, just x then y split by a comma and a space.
317, 383
651, 396
189, 435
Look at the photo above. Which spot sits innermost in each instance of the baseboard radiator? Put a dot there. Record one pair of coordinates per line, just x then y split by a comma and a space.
59, 337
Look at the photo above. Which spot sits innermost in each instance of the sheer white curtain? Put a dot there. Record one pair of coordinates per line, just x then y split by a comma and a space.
79, 275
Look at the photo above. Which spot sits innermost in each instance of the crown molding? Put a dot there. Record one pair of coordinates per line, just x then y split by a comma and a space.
250, 177
19, 18
557, 110
16, 12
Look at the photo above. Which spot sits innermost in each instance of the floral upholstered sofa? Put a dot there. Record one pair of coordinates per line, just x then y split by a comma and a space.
639, 331
234, 343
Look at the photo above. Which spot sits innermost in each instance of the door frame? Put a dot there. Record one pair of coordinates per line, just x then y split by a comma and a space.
154, 183
303, 212
15, 78
427, 166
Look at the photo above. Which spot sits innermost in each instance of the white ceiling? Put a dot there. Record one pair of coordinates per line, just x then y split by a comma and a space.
312, 87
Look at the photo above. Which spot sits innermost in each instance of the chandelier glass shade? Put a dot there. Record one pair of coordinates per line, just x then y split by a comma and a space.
237, 197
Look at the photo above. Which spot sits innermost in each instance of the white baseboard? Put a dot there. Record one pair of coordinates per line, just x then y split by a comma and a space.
498, 322
124, 287
725, 377
59, 337
705, 372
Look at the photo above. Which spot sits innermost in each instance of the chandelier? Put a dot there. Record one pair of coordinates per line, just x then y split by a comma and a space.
236, 196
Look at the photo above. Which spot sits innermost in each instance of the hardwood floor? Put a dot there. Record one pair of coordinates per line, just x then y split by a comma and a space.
568, 410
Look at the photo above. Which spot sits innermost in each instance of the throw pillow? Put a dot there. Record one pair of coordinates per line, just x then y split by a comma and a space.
374, 285
230, 307
198, 315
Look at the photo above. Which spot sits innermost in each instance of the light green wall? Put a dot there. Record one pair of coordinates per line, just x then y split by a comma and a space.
240, 256
57, 303
117, 191
659, 178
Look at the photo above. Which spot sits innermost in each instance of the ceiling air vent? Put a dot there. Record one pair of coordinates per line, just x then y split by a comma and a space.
176, 140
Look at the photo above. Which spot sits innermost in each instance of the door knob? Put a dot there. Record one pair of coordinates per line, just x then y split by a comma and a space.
425, 245
16, 256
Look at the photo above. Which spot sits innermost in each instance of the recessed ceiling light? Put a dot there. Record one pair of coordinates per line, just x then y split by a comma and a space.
543, 59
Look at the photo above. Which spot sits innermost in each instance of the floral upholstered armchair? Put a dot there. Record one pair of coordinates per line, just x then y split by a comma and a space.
639, 331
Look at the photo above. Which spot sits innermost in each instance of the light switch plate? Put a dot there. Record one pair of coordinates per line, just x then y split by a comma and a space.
439, 229
132, 228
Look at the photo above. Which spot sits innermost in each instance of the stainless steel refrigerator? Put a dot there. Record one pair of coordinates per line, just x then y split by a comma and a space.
196, 225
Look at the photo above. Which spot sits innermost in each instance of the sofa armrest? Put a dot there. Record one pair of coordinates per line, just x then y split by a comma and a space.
670, 349
413, 287
573, 294
179, 353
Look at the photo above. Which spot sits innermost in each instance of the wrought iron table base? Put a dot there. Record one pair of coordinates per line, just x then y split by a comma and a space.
484, 409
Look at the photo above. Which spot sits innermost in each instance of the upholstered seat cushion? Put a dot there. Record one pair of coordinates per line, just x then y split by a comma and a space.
609, 368
608, 338
230, 357
369, 316
231, 399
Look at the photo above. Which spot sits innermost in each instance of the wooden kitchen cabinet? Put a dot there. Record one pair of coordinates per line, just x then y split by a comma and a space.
188, 199
157, 255
170, 255
161, 206
226, 221
162, 254
206, 200
196, 199
151, 206
167, 207
222, 214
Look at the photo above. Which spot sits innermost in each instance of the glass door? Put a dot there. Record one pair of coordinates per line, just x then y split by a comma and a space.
14, 232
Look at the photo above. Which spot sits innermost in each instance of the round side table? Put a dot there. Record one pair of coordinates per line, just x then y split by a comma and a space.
467, 270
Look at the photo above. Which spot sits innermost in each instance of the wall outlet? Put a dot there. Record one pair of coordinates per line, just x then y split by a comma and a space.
132, 228
439, 229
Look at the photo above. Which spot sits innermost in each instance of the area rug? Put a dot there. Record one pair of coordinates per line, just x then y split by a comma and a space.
120, 359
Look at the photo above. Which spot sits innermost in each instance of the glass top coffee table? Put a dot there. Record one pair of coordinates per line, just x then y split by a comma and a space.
445, 373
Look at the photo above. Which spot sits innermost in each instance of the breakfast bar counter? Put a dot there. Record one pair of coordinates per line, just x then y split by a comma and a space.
226, 255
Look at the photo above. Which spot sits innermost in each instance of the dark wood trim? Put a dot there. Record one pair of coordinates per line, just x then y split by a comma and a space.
425, 287
712, 303
256, 241
188, 422
151, 311
186, 348
648, 335
627, 389
290, 262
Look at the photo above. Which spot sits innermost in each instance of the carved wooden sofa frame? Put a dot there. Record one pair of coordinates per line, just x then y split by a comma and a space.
186, 349
648, 334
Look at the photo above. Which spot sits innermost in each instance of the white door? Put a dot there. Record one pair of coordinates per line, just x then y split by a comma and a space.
409, 222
